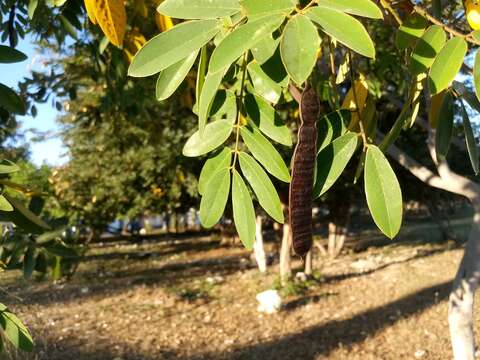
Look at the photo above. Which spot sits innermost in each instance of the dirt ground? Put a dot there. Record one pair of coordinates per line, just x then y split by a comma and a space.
195, 300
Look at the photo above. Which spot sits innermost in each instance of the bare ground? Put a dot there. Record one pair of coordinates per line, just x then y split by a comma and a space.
195, 300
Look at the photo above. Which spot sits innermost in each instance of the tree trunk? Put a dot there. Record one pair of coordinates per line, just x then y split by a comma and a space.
258, 248
285, 255
461, 301
309, 263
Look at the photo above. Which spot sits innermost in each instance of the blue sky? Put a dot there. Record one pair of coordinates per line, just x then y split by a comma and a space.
50, 151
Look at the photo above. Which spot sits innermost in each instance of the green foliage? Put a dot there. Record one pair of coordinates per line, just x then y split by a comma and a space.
168, 48
344, 28
333, 160
14, 330
243, 211
383, 193
299, 46
262, 186
447, 64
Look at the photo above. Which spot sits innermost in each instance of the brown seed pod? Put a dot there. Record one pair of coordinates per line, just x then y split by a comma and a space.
301, 186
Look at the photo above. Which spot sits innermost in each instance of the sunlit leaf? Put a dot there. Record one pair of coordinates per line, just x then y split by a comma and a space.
365, 8
258, 8
212, 165
265, 153
215, 198
243, 211
198, 9
384, 196
344, 28
427, 49
172, 46
171, 78
447, 64
332, 161
299, 46
241, 39
267, 119
14, 330
112, 19
262, 187
411, 30
214, 135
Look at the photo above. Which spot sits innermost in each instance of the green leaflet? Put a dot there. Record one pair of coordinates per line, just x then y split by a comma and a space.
215, 134
172, 46
411, 30
242, 39
215, 198
209, 89
470, 140
201, 72
224, 106
215, 163
447, 64
443, 135
427, 49
11, 101
264, 49
29, 262
384, 196
267, 119
332, 126
198, 9
9, 55
332, 161
8, 167
299, 46
14, 330
32, 6
258, 8
265, 153
262, 187
365, 8
4, 204
243, 211
263, 84
343, 27
24, 218
476, 74
171, 78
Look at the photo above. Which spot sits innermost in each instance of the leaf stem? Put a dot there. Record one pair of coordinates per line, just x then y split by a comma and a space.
239, 109
333, 74
355, 99
423, 12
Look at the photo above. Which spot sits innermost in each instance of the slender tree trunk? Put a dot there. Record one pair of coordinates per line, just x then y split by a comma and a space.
309, 263
258, 248
285, 254
461, 301
332, 234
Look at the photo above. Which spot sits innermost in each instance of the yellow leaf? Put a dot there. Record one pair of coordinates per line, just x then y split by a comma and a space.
112, 18
351, 99
435, 105
164, 23
90, 6
133, 42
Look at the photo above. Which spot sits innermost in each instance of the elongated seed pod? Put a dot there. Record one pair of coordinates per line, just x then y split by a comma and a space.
301, 186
